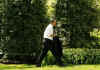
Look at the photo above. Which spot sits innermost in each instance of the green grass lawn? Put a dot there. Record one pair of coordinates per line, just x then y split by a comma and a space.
49, 67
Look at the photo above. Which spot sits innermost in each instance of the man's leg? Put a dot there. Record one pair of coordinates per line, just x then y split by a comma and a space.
43, 52
56, 55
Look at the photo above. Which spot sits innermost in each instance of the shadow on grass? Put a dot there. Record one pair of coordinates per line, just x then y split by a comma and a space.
71, 65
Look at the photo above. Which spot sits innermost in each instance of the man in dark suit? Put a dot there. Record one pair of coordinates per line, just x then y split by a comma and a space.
51, 42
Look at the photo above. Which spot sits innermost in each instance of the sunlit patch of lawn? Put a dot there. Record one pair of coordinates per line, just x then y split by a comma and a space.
48, 67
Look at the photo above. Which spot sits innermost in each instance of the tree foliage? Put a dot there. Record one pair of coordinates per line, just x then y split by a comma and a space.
22, 24
79, 18
23, 28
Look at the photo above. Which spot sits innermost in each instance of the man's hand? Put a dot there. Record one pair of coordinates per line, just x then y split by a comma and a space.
53, 35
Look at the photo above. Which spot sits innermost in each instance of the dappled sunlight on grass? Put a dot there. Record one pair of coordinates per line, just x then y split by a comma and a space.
49, 67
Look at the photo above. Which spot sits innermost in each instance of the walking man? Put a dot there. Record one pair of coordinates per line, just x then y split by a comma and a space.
49, 44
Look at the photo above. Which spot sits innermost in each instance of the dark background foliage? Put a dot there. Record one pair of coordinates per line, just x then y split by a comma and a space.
79, 18
22, 23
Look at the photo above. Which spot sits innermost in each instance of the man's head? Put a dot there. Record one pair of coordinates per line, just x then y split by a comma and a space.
53, 22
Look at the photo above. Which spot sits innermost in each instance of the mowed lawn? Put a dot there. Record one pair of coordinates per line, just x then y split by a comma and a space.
49, 67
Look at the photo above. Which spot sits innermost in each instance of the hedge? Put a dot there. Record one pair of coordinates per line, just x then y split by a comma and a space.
79, 19
76, 56
23, 23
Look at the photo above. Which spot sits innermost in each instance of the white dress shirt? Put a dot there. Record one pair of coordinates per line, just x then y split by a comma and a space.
48, 32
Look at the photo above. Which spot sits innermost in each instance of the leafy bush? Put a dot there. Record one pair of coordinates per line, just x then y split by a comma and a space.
23, 25
79, 18
76, 56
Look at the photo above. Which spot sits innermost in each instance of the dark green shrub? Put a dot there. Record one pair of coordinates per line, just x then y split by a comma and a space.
79, 18
77, 56
24, 22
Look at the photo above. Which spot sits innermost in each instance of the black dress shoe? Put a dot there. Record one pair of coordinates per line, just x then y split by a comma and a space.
38, 65
62, 64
